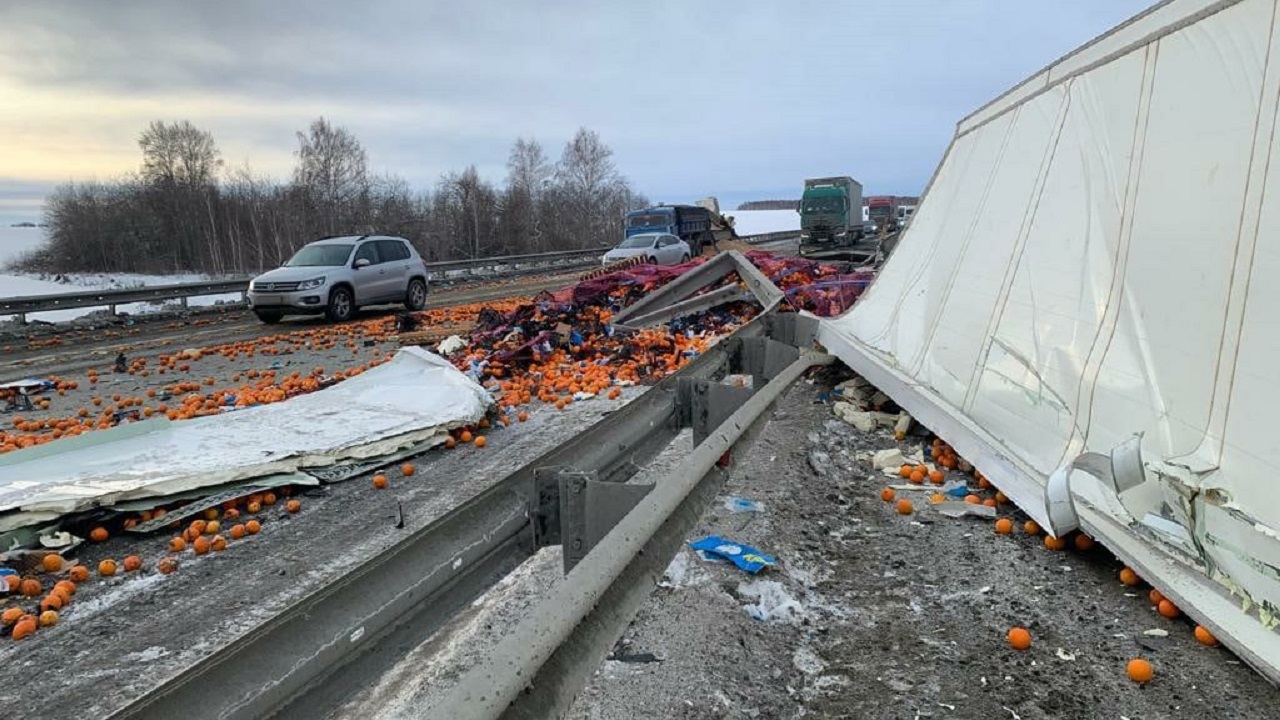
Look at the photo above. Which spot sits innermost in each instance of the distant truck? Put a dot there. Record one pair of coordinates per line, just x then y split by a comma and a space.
890, 211
698, 226
831, 215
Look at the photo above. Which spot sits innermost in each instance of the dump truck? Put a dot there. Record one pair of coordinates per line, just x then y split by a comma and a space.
831, 216
699, 226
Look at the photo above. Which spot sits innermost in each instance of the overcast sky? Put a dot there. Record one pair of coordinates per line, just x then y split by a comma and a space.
736, 99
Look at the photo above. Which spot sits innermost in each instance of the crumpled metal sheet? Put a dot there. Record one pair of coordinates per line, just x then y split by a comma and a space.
408, 401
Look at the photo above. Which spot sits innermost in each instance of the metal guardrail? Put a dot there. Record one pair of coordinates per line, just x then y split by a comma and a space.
20, 306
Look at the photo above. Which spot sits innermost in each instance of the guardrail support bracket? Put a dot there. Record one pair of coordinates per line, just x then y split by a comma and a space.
704, 404
575, 510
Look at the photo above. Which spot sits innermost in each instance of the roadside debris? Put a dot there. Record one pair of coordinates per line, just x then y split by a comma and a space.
745, 557
740, 505
773, 602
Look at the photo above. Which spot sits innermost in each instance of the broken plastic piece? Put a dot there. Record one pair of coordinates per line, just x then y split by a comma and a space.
957, 509
740, 504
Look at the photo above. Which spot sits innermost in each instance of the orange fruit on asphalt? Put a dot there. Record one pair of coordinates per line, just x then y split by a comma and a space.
989, 502
887, 494
198, 526
132, 563
48, 618
237, 532
269, 498
484, 422
465, 436
918, 475
1031, 527
167, 566
523, 416
24, 629
408, 469
984, 483
937, 477
1084, 543
1156, 596
380, 481
211, 514
904, 471
1129, 577
450, 443
1168, 609
98, 534
218, 543
51, 562
107, 568
293, 506
252, 527
201, 545
212, 527
905, 507
481, 441
31, 587
1054, 543
79, 573
937, 498
1020, 638
1139, 670
66, 586
253, 507
1004, 526
10, 616
1204, 637
177, 544
52, 601
1001, 497
973, 499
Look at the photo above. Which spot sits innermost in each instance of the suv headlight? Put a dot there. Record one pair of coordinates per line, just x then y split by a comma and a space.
311, 284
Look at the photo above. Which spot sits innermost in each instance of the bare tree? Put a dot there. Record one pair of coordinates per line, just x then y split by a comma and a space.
331, 173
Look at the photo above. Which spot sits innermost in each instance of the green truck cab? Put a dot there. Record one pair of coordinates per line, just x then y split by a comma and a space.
831, 216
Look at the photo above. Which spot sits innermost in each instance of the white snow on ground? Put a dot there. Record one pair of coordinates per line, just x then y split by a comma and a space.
758, 222
16, 241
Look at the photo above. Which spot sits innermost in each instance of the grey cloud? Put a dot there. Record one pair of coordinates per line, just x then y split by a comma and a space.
692, 96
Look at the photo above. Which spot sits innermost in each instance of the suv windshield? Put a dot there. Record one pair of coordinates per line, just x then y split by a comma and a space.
638, 241
326, 255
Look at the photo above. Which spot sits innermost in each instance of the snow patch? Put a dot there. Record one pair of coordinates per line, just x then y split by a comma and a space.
759, 222
155, 652
683, 572
807, 661
773, 602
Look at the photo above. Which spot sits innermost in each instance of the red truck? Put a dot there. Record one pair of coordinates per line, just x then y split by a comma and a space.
885, 210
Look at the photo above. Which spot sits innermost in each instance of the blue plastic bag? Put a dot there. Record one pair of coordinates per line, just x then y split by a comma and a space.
745, 557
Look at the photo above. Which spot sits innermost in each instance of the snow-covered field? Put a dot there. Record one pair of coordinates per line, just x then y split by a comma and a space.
16, 241
758, 222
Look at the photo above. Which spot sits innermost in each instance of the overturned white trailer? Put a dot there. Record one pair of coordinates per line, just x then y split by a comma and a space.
1086, 305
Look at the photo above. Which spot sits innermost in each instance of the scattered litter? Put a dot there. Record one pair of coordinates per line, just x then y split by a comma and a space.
740, 505
891, 458
745, 557
773, 602
1064, 655
1015, 715
58, 540
952, 708
1156, 632
958, 509
646, 657
741, 381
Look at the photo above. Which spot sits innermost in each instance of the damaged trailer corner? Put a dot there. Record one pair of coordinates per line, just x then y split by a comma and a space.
1082, 306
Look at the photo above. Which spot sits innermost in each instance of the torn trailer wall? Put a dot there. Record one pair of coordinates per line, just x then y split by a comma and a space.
1095, 260
415, 397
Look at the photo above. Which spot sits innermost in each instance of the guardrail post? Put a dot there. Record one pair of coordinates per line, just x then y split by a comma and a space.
111, 308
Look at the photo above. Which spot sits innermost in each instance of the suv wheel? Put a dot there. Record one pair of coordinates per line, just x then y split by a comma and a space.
270, 317
341, 305
416, 297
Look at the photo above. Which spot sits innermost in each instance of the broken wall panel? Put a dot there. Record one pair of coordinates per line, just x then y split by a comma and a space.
1093, 262
408, 401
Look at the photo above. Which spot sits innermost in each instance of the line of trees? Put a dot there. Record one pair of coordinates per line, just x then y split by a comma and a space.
184, 211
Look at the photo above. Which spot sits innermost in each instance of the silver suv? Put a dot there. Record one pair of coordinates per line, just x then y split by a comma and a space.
337, 275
